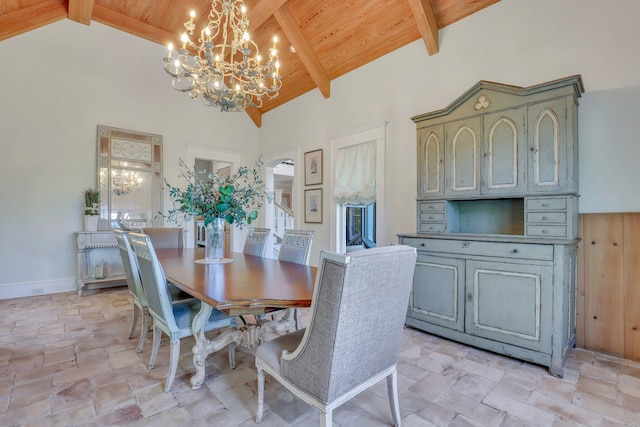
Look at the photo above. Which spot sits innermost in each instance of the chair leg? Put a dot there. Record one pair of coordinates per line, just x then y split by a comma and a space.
157, 336
134, 320
392, 391
325, 417
173, 364
146, 325
232, 355
260, 394
298, 319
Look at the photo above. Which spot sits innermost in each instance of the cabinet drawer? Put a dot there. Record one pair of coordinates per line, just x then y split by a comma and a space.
426, 227
490, 249
546, 203
547, 230
431, 206
547, 217
431, 217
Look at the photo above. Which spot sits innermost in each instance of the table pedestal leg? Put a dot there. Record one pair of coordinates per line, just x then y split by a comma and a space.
248, 336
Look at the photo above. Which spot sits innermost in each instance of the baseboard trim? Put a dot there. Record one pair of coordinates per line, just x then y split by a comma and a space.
41, 287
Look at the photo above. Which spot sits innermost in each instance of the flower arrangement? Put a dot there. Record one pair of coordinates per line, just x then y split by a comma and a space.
235, 198
91, 201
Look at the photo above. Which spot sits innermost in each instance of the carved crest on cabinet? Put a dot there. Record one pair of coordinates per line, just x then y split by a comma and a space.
482, 103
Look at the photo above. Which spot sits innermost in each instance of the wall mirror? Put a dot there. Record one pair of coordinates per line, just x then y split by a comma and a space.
129, 179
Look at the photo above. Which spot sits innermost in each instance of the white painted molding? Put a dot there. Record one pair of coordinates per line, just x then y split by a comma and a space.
41, 287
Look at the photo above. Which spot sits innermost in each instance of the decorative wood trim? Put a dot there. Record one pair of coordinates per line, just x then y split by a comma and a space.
426, 22
547, 112
514, 178
130, 25
263, 11
454, 185
32, 17
454, 269
432, 138
255, 115
304, 50
81, 11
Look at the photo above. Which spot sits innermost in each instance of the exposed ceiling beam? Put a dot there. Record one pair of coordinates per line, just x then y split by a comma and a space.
255, 115
130, 25
32, 17
262, 11
303, 48
81, 11
427, 25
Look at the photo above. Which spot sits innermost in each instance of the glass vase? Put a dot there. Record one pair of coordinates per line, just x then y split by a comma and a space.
214, 241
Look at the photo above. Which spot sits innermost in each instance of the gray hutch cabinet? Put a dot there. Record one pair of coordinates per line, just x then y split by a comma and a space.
497, 218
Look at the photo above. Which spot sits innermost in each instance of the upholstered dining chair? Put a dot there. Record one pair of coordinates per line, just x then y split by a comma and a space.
134, 285
140, 306
296, 247
353, 339
165, 237
173, 319
256, 242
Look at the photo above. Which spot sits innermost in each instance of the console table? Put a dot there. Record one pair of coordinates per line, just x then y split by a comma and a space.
99, 264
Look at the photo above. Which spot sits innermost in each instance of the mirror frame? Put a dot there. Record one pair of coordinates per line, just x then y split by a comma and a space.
150, 156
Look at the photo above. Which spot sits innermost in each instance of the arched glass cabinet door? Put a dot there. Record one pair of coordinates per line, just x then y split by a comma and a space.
129, 178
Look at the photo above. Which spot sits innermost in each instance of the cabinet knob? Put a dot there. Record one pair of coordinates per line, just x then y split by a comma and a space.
515, 251
465, 244
469, 297
544, 231
430, 217
544, 218
422, 244
545, 205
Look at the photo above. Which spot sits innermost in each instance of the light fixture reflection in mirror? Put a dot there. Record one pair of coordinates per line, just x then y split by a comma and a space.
124, 181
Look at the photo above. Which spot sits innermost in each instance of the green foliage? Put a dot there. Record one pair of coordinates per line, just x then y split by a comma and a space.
91, 201
236, 198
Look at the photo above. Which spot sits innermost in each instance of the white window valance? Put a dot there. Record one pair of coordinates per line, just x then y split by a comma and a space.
356, 174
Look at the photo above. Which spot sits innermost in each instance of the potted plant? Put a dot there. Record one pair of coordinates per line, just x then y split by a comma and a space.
234, 199
91, 206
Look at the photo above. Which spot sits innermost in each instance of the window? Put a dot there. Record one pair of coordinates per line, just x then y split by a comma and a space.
360, 227
358, 164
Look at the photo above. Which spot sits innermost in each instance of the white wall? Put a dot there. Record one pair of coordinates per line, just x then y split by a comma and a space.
57, 84
518, 42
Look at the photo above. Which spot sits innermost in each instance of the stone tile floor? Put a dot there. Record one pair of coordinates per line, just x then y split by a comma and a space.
66, 361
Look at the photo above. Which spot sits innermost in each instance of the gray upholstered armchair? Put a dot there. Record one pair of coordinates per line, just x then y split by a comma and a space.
353, 339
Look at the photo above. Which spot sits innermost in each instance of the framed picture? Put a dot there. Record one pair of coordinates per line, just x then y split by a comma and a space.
313, 205
313, 167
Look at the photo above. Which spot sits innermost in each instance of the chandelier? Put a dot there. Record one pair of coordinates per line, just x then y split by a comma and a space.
124, 182
224, 68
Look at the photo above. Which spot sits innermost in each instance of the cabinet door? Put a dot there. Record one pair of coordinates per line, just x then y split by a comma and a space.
462, 157
438, 291
431, 162
510, 303
505, 150
547, 140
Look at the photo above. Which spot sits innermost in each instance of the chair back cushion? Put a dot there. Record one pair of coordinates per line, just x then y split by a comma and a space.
130, 265
154, 283
358, 312
296, 246
256, 242
165, 237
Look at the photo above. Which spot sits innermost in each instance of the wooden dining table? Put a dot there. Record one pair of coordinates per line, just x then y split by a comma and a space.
246, 285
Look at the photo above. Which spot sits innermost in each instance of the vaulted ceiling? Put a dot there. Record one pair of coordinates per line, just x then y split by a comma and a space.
330, 37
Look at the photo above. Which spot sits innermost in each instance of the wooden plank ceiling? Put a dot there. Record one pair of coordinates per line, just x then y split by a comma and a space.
330, 37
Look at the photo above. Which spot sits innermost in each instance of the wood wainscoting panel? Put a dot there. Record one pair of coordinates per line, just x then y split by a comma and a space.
603, 240
632, 286
580, 313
